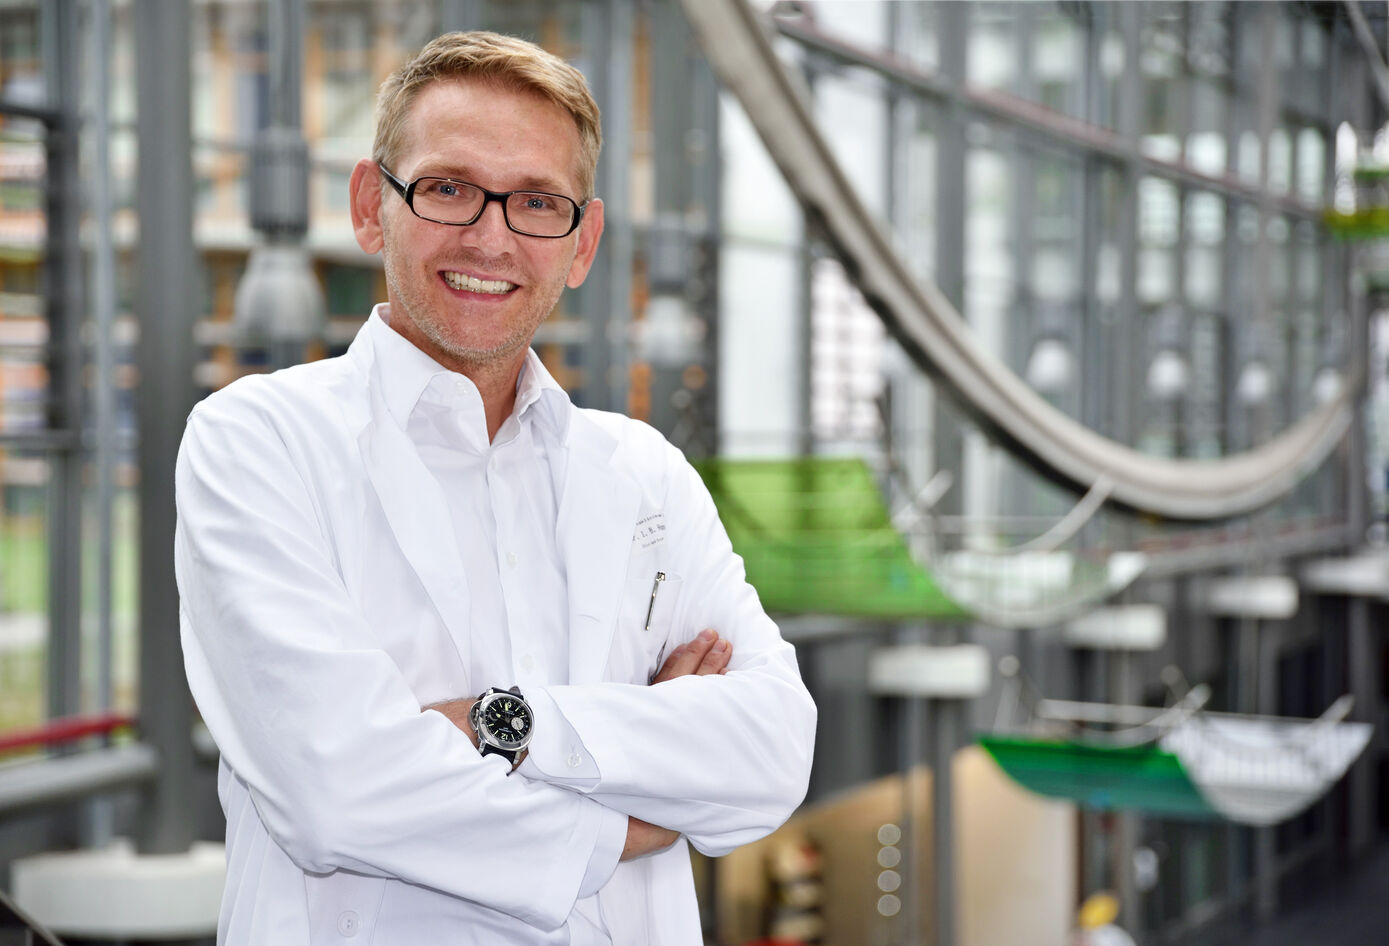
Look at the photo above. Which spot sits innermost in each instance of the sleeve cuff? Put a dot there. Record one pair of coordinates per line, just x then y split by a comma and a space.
556, 754
607, 851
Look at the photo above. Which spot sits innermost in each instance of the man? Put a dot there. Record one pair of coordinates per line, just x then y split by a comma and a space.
369, 544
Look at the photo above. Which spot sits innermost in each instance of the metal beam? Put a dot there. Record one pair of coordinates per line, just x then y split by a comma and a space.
1374, 59
1046, 126
71, 778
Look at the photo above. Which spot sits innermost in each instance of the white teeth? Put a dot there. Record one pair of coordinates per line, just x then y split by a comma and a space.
473, 284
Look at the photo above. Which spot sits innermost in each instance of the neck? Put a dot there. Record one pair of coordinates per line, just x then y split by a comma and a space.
496, 383
494, 377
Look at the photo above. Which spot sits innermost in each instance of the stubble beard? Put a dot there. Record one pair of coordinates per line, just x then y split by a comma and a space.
444, 334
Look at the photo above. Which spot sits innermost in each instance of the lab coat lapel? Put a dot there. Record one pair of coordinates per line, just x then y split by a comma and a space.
416, 509
597, 519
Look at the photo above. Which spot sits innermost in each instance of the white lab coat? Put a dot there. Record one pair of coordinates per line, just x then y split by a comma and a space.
323, 604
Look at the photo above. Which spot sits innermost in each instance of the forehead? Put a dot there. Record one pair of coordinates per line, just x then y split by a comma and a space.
501, 137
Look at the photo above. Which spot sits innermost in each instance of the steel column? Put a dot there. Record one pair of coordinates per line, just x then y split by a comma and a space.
605, 298
62, 290
166, 264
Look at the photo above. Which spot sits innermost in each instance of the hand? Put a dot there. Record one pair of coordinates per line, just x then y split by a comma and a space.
644, 839
704, 655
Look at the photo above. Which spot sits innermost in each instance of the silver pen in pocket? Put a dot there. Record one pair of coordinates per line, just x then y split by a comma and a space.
655, 587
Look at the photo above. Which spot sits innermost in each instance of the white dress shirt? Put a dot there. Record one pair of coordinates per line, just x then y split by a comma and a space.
503, 507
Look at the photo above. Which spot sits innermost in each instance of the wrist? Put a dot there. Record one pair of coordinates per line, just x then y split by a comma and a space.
457, 712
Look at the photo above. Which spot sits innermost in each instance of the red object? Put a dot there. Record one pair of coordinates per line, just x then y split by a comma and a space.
66, 729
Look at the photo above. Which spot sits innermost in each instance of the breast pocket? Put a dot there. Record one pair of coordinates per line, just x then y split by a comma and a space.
646, 629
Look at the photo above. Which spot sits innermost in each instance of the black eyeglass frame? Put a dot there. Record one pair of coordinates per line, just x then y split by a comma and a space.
407, 194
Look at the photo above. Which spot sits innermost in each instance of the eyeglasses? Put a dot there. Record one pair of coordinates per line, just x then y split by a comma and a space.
460, 204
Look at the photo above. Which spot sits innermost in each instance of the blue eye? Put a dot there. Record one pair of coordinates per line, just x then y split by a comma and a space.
447, 189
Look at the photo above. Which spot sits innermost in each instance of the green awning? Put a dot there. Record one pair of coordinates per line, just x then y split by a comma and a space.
1140, 778
817, 538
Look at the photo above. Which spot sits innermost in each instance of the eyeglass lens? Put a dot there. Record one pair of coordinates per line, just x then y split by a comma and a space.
527, 211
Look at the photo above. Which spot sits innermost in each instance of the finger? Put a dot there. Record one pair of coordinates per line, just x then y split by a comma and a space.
686, 658
669, 667
717, 659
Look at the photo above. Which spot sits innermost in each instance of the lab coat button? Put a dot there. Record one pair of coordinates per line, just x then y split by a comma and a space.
349, 923
527, 662
575, 760
511, 559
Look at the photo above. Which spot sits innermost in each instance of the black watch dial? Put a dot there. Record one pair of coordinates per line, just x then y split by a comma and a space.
507, 719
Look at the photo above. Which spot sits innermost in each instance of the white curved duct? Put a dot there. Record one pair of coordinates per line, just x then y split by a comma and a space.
734, 39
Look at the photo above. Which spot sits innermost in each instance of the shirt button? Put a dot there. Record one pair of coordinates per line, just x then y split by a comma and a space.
575, 760
511, 559
349, 923
527, 662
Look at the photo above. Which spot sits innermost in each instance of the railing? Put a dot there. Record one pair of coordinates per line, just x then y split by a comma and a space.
26, 784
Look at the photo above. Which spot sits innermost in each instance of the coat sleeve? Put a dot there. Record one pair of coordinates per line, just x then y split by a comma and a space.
343, 768
722, 759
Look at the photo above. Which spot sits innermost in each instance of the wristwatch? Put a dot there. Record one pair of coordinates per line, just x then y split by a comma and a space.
503, 722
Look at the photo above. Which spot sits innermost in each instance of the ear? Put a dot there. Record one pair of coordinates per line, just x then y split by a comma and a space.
364, 190
590, 230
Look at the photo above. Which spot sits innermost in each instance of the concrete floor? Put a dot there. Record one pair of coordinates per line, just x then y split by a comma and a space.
1351, 910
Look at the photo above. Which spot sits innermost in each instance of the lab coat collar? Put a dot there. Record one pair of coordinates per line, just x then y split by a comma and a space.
410, 496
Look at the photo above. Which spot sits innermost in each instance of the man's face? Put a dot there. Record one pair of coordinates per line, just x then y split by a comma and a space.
473, 296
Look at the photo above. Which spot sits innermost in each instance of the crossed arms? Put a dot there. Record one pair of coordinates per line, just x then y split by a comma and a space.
704, 655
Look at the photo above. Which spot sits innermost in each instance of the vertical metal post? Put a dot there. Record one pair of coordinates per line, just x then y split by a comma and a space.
62, 290
460, 15
669, 264
804, 322
951, 209
605, 299
707, 210
166, 309
1121, 692
953, 26
1360, 645
914, 853
103, 302
1361, 666
1119, 383
945, 722
286, 40
1267, 106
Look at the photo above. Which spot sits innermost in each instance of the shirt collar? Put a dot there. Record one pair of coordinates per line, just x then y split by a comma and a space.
405, 373
536, 387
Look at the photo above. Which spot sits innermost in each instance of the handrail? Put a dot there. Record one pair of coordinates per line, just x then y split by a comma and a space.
64, 729
735, 41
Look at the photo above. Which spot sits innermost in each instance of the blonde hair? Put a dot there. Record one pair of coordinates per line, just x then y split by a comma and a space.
511, 63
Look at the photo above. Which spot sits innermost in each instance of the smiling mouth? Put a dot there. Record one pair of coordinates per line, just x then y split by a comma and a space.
465, 283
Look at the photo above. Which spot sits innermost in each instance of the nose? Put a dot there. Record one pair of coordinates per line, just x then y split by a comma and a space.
489, 232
